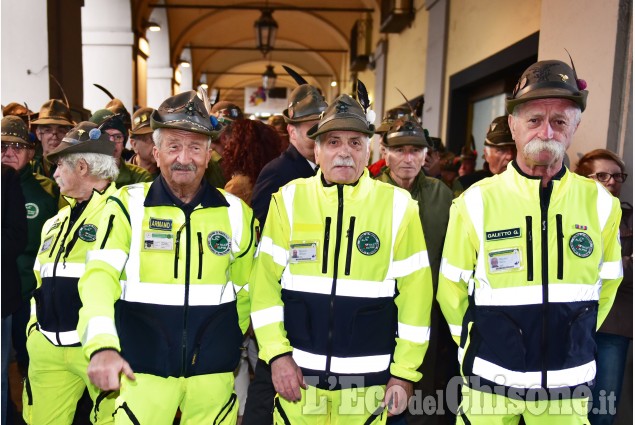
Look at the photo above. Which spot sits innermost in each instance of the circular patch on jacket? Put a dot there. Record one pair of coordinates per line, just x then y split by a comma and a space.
32, 210
368, 243
88, 233
581, 244
219, 242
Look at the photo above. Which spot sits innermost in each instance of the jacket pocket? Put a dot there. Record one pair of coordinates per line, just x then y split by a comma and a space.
227, 411
144, 340
297, 321
374, 328
501, 339
581, 345
217, 343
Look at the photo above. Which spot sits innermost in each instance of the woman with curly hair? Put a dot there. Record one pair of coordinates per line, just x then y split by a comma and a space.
248, 146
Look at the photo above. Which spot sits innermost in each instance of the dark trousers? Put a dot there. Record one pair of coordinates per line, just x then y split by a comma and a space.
259, 407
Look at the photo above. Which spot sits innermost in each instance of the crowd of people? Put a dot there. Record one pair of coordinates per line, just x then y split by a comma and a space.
227, 270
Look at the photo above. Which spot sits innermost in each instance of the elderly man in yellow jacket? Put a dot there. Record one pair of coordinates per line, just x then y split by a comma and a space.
163, 297
341, 291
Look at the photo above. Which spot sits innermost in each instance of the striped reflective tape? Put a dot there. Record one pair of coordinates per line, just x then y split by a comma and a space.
116, 258
65, 338
531, 295
99, 325
174, 294
410, 265
267, 316
345, 287
416, 334
348, 365
611, 270
75, 270
280, 255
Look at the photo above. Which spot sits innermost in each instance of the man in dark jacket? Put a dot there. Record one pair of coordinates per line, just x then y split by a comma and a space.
13, 243
41, 196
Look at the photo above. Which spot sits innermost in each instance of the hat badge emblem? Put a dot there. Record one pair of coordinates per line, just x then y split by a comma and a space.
189, 108
341, 107
564, 77
80, 132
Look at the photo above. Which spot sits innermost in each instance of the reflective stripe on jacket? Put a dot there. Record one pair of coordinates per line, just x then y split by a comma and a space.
342, 279
524, 284
59, 265
178, 276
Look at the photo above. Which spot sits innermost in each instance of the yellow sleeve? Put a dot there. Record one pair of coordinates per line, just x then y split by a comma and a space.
414, 302
99, 287
457, 267
265, 290
611, 271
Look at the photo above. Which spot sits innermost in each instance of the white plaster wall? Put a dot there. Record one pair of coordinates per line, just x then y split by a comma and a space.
160, 72
24, 71
107, 40
588, 29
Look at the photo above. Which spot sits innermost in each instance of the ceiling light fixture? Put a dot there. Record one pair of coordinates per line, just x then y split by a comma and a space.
152, 26
266, 29
333, 83
269, 78
184, 63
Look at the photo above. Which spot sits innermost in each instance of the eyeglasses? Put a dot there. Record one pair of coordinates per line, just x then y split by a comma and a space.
60, 131
18, 147
605, 177
117, 138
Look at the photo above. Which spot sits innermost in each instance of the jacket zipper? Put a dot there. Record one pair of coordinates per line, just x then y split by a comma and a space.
350, 233
530, 249
200, 255
188, 253
560, 246
325, 249
54, 279
544, 242
57, 238
338, 239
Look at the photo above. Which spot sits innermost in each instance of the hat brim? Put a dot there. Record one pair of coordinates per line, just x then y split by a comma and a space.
180, 124
64, 148
50, 121
312, 117
547, 93
405, 141
342, 124
141, 131
493, 143
15, 139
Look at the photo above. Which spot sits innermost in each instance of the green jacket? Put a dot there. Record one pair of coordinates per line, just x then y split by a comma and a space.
130, 174
41, 197
214, 173
434, 199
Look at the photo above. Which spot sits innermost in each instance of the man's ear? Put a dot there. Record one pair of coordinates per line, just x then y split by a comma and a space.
82, 167
155, 154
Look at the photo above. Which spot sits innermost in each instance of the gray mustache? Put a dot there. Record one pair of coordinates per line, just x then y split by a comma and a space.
343, 162
180, 167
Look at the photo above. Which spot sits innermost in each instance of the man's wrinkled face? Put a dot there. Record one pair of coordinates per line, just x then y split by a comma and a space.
51, 135
182, 157
405, 162
543, 130
142, 144
342, 156
498, 157
68, 178
17, 155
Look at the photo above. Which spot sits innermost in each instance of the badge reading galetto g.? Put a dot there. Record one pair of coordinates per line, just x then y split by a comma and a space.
503, 234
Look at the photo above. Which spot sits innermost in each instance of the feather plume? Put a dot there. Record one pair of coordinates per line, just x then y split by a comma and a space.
68, 105
297, 77
102, 88
412, 110
362, 95
202, 93
575, 74
28, 116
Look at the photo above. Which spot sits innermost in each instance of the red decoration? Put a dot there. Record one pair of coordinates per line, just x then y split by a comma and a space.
581, 84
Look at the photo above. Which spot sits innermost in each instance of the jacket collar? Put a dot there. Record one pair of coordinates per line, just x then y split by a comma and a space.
558, 175
159, 194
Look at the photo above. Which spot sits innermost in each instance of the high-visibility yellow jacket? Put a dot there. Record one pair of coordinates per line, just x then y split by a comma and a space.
527, 276
60, 262
342, 280
176, 274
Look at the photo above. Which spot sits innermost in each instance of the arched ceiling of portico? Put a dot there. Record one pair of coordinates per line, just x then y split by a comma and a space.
321, 36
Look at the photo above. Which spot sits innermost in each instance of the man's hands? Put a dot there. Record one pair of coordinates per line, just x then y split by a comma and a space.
287, 378
398, 392
104, 370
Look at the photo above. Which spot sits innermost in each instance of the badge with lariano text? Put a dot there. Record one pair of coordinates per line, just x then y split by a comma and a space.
302, 252
503, 234
581, 244
504, 260
219, 242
